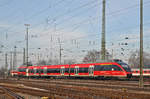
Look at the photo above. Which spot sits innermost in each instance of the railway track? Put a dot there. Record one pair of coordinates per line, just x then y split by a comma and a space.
78, 88
10, 93
94, 82
83, 83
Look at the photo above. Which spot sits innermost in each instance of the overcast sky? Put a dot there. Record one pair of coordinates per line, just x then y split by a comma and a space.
77, 23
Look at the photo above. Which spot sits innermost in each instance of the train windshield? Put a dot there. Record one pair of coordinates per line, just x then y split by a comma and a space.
125, 67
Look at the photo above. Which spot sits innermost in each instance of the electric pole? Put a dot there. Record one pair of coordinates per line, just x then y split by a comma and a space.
112, 51
27, 28
11, 62
14, 59
60, 54
60, 49
6, 66
103, 50
141, 44
24, 56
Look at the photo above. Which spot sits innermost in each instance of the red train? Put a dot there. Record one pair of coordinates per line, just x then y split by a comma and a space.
95, 70
136, 72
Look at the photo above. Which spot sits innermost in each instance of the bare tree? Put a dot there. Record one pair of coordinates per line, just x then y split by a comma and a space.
94, 56
134, 60
69, 61
53, 62
42, 62
2, 71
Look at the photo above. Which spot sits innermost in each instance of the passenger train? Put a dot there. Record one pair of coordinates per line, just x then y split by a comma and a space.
136, 72
94, 70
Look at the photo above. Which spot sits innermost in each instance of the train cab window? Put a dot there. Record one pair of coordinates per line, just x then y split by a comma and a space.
125, 67
115, 68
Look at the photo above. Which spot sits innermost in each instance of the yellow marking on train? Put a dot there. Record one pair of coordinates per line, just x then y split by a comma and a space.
106, 64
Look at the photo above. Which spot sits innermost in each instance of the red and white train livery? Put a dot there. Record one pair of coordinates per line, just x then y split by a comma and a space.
136, 72
105, 69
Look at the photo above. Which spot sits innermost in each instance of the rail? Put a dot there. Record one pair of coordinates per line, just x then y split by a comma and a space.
10, 93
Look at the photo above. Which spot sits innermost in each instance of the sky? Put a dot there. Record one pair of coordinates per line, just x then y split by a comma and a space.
76, 24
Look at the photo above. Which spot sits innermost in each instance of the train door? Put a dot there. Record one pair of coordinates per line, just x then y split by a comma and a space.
62, 71
27, 72
91, 70
45, 71
35, 69
116, 70
76, 71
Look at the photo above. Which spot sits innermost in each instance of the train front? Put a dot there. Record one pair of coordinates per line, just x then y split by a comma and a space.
22, 71
126, 68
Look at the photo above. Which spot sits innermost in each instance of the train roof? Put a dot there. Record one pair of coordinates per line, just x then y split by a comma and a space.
97, 63
22, 67
139, 68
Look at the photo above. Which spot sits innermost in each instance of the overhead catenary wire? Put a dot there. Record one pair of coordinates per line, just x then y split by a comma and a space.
95, 18
147, 2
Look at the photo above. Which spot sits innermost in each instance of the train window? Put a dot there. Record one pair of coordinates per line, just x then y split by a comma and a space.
45, 70
66, 70
98, 68
83, 70
31, 70
107, 68
41, 71
34, 70
22, 69
145, 71
38, 71
55, 70
71, 70
48, 70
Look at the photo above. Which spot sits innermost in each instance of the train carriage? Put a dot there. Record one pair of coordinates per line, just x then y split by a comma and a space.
14, 73
33, 71
136, 72
22, 71
94, 70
